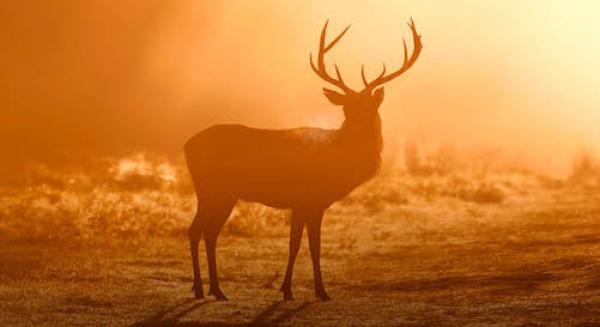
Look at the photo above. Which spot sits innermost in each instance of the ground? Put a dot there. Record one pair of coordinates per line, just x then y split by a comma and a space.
505, 249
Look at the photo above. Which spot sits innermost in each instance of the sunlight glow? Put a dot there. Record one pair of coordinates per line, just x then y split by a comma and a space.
138, 165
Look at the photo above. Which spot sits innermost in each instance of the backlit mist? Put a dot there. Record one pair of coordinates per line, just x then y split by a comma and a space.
93, 79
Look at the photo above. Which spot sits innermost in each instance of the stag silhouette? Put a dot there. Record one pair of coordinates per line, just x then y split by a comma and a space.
303, 169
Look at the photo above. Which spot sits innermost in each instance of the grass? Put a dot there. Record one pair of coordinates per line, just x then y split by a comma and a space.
459, 247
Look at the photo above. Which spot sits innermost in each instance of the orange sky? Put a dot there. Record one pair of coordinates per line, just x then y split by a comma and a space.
98, 78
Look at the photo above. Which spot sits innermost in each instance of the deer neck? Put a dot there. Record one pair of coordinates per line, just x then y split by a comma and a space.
362, 138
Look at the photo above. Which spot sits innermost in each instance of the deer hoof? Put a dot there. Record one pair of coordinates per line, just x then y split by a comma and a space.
198, 293
287, 296
323, 296
287, 292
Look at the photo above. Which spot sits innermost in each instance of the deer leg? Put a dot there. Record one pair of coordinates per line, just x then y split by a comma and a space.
314, 242
194, 234
297, 225
211, 244
211, 233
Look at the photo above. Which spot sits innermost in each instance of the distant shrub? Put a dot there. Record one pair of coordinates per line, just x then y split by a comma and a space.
250, 219
41, 174
375, 195
412, 160
550, 182
441, 160
427, 188
484, 193
464, 187
585, 170
43, 212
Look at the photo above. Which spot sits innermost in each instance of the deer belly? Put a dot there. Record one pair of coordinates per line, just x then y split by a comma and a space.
288, 193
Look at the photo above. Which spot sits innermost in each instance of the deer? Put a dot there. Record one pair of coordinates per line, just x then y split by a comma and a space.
304, 170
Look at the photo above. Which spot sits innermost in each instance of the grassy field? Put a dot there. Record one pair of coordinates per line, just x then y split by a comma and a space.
419, 246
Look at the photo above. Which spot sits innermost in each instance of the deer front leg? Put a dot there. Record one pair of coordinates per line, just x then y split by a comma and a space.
297, 225
314, 242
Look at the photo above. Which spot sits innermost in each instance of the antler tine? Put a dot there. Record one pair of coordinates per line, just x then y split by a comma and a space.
337, 72
382, 72
332, 44
321, 54
364, 79
405, 52
320, 69
407, 63
362, 74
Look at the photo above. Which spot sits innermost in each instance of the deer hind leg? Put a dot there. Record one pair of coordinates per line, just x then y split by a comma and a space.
314, 241
209, 219
194, 234
297, 225
218, 213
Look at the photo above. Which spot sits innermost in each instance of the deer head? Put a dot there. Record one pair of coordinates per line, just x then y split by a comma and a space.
360, 107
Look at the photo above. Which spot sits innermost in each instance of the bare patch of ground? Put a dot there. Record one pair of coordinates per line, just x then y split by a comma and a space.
521, 267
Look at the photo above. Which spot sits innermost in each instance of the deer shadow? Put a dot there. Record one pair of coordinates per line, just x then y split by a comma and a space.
507, 283
273, 315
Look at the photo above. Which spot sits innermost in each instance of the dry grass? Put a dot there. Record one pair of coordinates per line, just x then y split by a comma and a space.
439, 246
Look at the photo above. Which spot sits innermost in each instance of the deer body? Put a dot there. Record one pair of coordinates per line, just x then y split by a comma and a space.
303, 169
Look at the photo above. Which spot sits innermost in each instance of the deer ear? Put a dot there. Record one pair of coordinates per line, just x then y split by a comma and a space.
378, 95
334, 97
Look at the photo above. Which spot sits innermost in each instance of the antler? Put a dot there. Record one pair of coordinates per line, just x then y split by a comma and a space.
320, 69
382, 78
